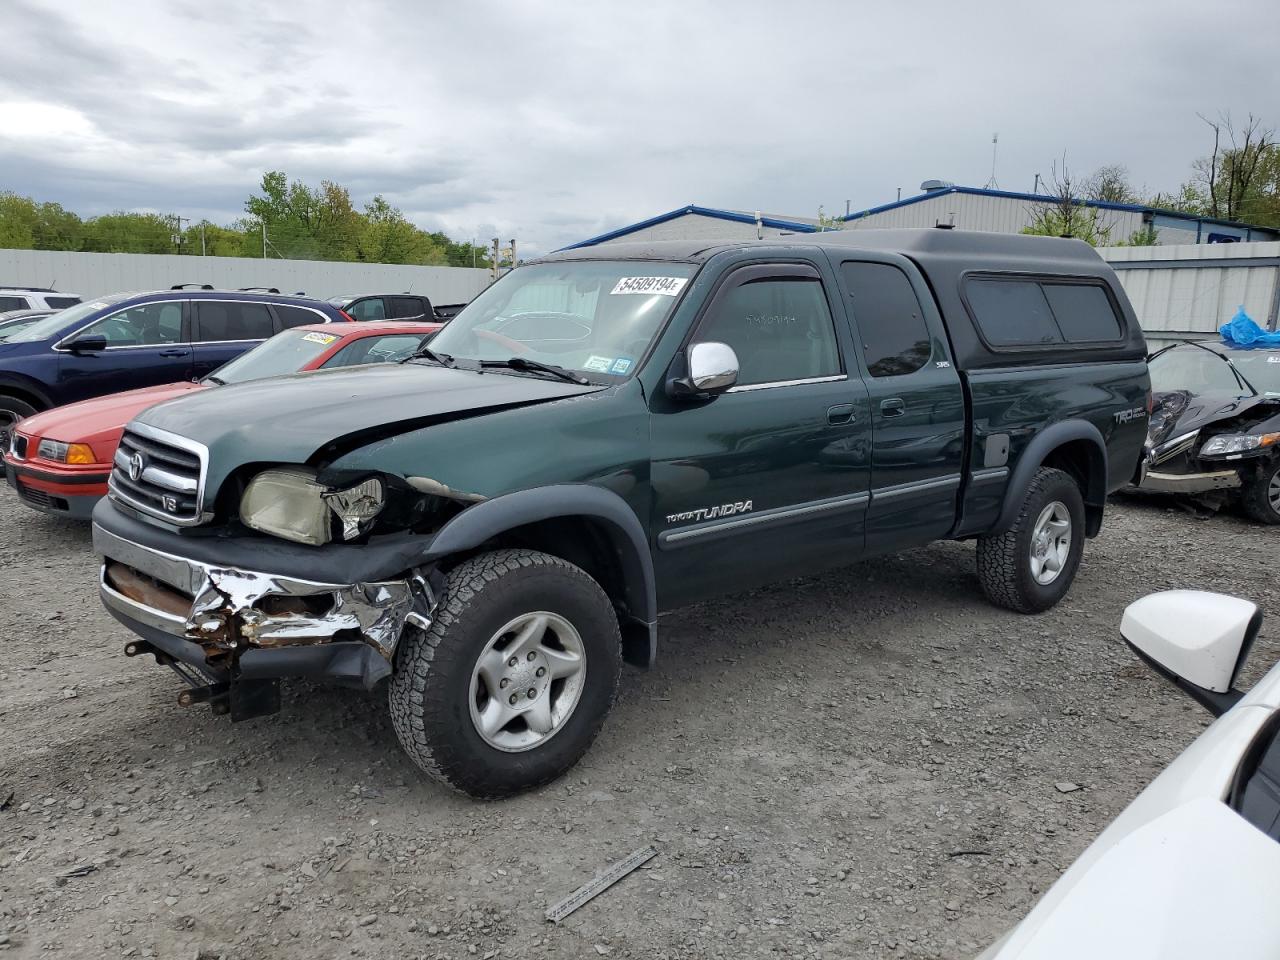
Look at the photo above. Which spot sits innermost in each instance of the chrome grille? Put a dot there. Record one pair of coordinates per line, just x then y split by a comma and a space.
159, 474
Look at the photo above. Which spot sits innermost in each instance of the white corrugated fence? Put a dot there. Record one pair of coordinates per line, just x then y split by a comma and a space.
94, 274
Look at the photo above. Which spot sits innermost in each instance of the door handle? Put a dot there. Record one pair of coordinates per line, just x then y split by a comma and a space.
173, 353
893, 407
840, 413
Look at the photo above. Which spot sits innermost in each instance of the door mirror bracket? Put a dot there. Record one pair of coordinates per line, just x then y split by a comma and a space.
712, 369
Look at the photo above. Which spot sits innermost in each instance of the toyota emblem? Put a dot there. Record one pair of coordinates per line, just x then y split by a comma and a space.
136, 464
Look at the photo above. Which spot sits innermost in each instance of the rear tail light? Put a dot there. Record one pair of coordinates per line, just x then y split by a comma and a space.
348, 317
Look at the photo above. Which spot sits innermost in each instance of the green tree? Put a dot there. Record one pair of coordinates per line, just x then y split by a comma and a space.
129, 233
18, 219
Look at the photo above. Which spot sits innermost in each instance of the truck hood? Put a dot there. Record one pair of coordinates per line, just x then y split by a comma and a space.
1176, 412
289, 419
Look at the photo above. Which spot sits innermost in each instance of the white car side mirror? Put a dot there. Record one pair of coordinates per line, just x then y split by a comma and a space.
1198, 640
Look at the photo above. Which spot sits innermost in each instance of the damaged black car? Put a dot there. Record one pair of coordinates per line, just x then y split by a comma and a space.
1214, 432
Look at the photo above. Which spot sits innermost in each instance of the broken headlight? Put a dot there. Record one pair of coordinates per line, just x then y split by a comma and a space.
288, 502
1229, 443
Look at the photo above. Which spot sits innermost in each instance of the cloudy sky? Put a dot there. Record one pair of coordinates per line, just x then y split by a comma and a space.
551, 122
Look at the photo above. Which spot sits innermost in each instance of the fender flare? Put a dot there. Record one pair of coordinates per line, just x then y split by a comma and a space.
488, 519
25, 385
1034, 456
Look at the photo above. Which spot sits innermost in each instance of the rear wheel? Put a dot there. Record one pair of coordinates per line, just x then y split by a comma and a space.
1030, 567
11, 411
1260, 493
511, 683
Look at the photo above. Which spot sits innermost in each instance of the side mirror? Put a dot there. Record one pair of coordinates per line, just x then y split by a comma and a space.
713, 369
88, 344
1196, 639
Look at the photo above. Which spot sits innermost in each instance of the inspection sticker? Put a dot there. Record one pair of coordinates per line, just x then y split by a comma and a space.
621, 365
1273, 359
598, 364
666, 286
325, 338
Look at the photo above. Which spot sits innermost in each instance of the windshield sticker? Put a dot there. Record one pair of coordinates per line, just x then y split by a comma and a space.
621, 365
598, 364
325, 338
1273, 359
666, 286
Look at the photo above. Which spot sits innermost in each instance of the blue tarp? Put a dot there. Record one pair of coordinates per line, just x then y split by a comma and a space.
1244, 331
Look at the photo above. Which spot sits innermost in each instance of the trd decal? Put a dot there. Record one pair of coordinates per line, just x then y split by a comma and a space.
1128, 416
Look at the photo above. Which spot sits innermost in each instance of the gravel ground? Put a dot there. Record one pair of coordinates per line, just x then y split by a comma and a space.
856, 765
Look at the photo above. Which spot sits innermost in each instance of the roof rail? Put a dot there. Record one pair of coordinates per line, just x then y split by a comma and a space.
32, 289
198, 286
258, 290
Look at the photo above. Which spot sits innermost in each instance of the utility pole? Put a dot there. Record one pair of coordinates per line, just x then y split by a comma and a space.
264, 239
497, 254
203, 249
177, 235
513, 253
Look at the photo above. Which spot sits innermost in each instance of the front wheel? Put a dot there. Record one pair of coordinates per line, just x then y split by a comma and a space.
511, 683
1030, 567
11, 411
1260, 493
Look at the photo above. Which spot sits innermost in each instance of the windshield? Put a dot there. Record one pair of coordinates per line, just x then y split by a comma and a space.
1195, 369
1259, 367
56, 323
595, 317
286, 352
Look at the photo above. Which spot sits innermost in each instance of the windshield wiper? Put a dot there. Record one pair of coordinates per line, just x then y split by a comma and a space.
218, 380
537, 366
1244, 381
426, 353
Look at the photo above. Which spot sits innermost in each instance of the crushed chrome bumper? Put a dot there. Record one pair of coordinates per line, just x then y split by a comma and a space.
228, 623
1155, 482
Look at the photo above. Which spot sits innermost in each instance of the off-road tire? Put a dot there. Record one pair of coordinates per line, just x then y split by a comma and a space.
430, 688
1255, 492
1004, 559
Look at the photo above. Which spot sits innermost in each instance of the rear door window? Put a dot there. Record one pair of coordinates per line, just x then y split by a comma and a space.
368, 308
13, 303
222, 320
61, 303
406, 308
888, 317
296, 316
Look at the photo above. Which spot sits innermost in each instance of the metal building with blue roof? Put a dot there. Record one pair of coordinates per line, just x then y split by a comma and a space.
940, 203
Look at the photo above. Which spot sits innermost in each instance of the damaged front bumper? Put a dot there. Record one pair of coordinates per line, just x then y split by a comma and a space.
1189, 483
225, 627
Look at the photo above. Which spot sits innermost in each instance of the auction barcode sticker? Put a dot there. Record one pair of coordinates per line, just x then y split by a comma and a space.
667, 286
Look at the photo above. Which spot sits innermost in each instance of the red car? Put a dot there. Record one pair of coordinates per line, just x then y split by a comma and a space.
59, 460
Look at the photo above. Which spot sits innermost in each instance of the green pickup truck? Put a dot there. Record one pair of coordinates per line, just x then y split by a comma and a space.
493, 527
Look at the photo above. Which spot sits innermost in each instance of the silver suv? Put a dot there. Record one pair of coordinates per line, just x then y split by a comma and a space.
35, 298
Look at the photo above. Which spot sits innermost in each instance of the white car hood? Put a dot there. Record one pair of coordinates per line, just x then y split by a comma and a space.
1198, 882
1176, 867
